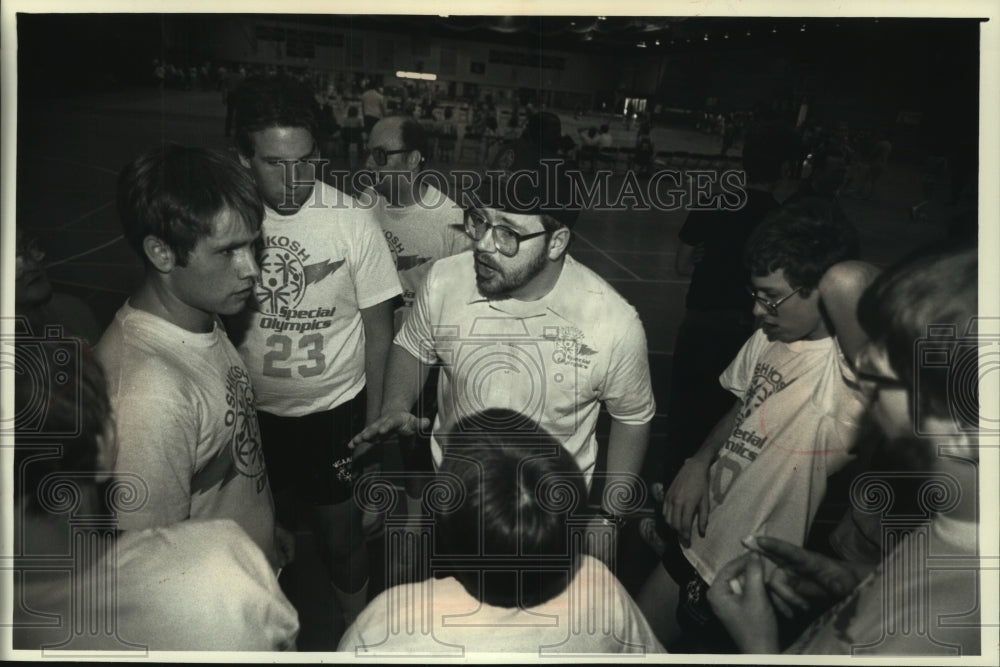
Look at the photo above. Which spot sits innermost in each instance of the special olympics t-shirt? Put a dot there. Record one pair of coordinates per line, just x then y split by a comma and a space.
304, 344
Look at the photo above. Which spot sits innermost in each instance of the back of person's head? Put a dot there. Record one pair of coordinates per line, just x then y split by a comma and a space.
413, 136
543, 129
175, 193
803, 239
926, 302
273, 101
520, 486
62, 400
604, 129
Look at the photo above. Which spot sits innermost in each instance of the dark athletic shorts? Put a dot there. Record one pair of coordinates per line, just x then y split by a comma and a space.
308, 456
703, 632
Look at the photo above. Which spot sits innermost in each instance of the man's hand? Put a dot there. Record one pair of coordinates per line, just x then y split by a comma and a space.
387, 426
739, 598
284, 542
803, 580
687, 498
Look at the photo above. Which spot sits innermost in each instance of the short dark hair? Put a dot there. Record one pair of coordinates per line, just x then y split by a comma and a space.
175, 192
803, 239
413, 136
930, 287
273, 101
520, 487
77, 406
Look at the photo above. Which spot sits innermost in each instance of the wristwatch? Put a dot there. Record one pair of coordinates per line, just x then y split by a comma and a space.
613, 520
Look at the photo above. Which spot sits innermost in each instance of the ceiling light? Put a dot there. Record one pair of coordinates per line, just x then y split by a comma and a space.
602, 18
641, 45
417, 75
657, 42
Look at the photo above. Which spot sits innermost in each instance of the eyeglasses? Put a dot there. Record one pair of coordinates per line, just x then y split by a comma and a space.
507, 241
381, 156
771, 306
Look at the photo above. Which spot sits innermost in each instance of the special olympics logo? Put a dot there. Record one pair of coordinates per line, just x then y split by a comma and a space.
282, 281
242, 417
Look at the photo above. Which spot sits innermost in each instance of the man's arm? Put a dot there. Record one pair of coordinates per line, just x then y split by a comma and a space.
377, 321
688, 494
626, 451
406, 376
840, 289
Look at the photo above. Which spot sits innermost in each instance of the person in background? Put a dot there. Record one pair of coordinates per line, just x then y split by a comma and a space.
37, 301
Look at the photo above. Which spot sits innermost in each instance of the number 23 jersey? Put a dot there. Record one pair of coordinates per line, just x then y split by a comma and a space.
302, 337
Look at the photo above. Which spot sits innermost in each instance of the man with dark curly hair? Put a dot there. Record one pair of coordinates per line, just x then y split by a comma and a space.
762, 469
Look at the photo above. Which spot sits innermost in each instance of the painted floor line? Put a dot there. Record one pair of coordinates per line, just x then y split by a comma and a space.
85, 252
608, 257
86, 215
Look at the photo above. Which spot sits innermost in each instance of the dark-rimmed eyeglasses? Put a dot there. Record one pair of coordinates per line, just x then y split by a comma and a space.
506, 240
770, 306
380, 156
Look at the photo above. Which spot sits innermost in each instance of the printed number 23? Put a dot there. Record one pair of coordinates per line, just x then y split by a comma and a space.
284, 351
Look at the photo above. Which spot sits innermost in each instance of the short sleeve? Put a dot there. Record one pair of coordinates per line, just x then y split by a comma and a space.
375, 278
736, 378
627, 390
157, 443
415, 336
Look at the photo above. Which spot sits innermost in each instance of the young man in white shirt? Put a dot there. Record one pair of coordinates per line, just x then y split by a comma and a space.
762, 469
318, 331
182, 397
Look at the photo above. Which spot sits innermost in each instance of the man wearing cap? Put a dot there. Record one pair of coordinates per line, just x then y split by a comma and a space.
519, 324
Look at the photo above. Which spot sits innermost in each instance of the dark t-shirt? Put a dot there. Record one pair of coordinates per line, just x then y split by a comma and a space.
719, 279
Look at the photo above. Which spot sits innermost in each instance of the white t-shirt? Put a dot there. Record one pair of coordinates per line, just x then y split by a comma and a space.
438, 618
304, 344
922, 600
554, 360
194, 586
418, 235
187, 426
797, 421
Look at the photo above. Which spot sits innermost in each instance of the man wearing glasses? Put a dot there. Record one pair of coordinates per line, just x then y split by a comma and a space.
762, 469
421, 223
519, 324
319, 329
